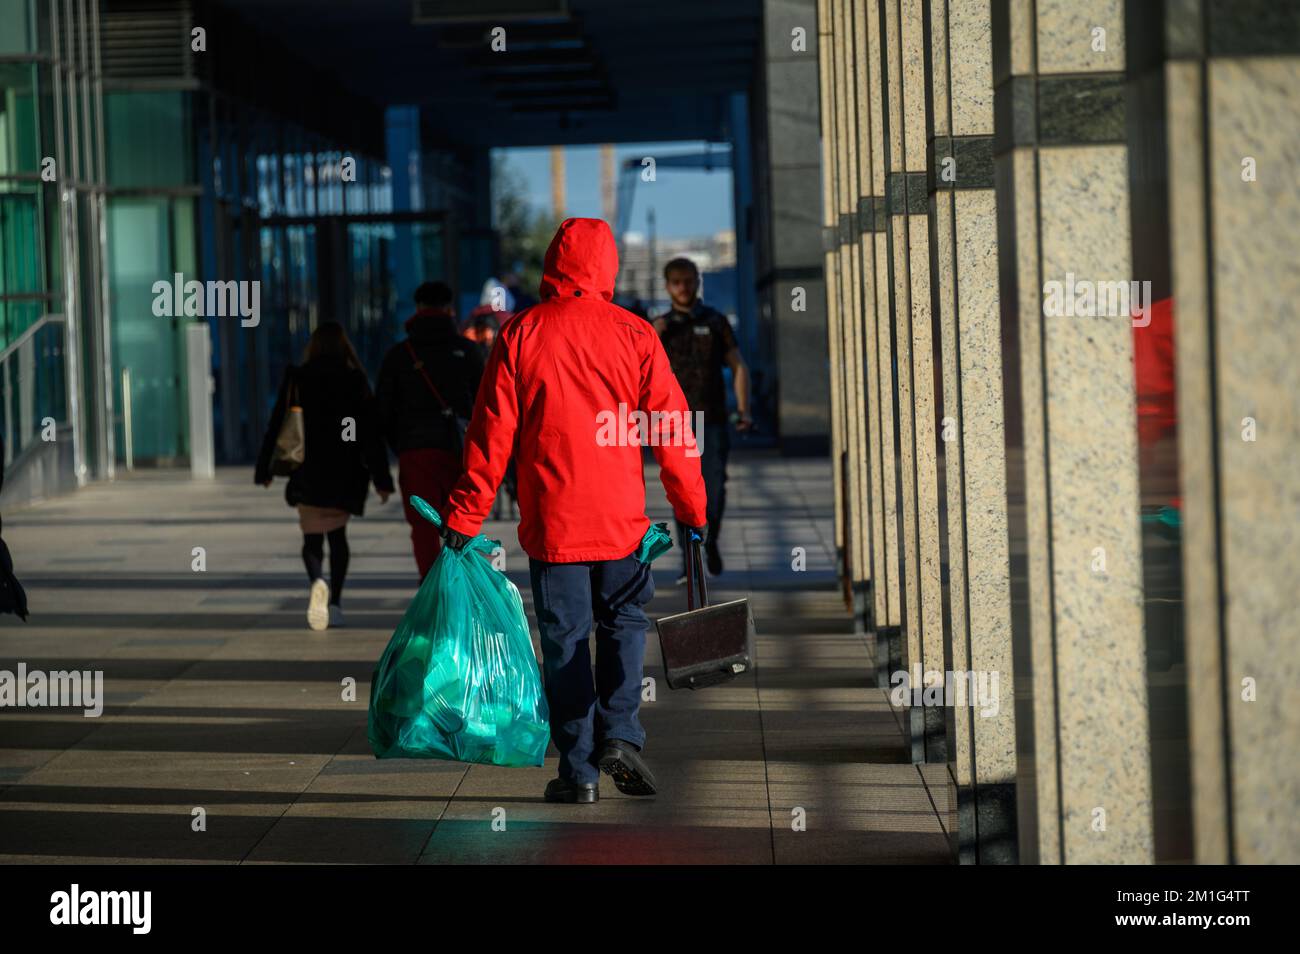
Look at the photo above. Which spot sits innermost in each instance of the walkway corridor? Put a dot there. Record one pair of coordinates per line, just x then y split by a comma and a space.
219, 697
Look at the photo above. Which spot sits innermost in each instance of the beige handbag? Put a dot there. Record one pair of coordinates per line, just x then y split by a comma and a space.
291, 443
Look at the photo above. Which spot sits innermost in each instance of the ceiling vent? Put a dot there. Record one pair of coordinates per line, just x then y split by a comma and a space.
145, 40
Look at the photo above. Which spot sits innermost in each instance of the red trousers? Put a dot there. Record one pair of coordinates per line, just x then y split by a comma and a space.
431, 474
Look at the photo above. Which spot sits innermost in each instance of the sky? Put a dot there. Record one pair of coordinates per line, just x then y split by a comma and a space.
686, 202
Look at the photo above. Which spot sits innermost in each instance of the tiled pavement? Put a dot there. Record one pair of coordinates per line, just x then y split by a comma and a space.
219, 697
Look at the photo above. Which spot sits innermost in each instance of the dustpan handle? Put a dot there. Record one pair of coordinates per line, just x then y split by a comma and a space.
699, 573
695, 576
690, 577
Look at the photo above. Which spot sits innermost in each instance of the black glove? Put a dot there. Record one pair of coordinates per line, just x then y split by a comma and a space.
702, 531
454, 538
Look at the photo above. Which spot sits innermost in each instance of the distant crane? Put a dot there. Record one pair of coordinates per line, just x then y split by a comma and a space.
558, 200
631, 172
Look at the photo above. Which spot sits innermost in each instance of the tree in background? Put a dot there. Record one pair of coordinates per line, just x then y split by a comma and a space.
523, 230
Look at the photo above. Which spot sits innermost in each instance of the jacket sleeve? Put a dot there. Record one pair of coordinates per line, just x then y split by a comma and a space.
373, 449
674, 447
262, 472
488, 443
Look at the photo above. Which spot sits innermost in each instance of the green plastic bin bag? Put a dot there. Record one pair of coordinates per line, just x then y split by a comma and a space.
459, 680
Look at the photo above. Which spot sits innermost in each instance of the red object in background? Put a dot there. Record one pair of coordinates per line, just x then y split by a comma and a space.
557, 369
1153, 359
484, 323
1153, 363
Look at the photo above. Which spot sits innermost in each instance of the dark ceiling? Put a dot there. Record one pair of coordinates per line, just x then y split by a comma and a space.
608, 71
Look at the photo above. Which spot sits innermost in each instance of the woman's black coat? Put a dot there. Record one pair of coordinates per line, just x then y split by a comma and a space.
334, 472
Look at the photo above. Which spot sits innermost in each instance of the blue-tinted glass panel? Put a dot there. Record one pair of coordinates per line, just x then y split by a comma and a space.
148, 138
19, 131
19, 27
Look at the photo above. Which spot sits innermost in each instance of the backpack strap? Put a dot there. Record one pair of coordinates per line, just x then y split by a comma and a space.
419, 366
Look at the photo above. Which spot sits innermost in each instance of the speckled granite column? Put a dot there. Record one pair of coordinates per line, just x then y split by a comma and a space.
1231, 85
910, 259
852, 239
883, 418
1084, 791
847, 286
925, 394
981, 758
864, 343
830, 232
844, 89
856, 524
871, 176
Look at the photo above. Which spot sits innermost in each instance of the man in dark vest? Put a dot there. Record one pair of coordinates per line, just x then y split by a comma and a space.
700, 343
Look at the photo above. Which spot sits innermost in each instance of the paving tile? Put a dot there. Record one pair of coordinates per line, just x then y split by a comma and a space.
218, 696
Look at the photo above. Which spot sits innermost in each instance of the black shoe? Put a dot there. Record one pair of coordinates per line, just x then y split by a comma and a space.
714, 559
562, 790
622, 762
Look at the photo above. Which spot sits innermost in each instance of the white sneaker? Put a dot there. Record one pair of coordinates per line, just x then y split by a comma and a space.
317, 614
336, 615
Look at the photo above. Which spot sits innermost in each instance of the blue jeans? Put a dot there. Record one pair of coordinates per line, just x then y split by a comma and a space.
713, 466
568, 599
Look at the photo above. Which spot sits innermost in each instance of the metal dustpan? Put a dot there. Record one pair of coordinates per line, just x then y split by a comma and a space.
707, 644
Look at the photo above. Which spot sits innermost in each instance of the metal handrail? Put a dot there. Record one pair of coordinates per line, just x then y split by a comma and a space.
29, 332
12, 446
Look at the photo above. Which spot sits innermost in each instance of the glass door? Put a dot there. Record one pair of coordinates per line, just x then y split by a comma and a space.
149, 423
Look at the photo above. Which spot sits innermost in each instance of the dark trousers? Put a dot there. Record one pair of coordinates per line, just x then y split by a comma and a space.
569, 598
432, 474
713, 465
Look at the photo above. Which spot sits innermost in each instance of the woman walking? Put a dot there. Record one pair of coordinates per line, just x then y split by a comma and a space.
343, 452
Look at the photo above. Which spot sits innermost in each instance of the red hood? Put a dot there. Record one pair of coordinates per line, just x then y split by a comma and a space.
582, 259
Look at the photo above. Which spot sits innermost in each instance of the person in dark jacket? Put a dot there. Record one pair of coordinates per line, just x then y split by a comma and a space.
344, 454
435, 364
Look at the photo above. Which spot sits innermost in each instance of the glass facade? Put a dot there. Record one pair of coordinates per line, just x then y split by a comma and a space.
150, 236
142, 246
52, 311
114, 178
278, 202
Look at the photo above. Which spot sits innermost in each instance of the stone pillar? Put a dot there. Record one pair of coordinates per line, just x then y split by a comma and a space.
872, 265
1234, 137
878, 348
981, 732
836, 237
830, 256
856, 224
794, 257
850, 292
1084, 791
863, 271
909, 245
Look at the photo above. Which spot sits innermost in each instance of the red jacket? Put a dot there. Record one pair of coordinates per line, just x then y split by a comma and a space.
563, 378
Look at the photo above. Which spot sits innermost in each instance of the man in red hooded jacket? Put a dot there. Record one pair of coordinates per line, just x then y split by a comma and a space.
563, 380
